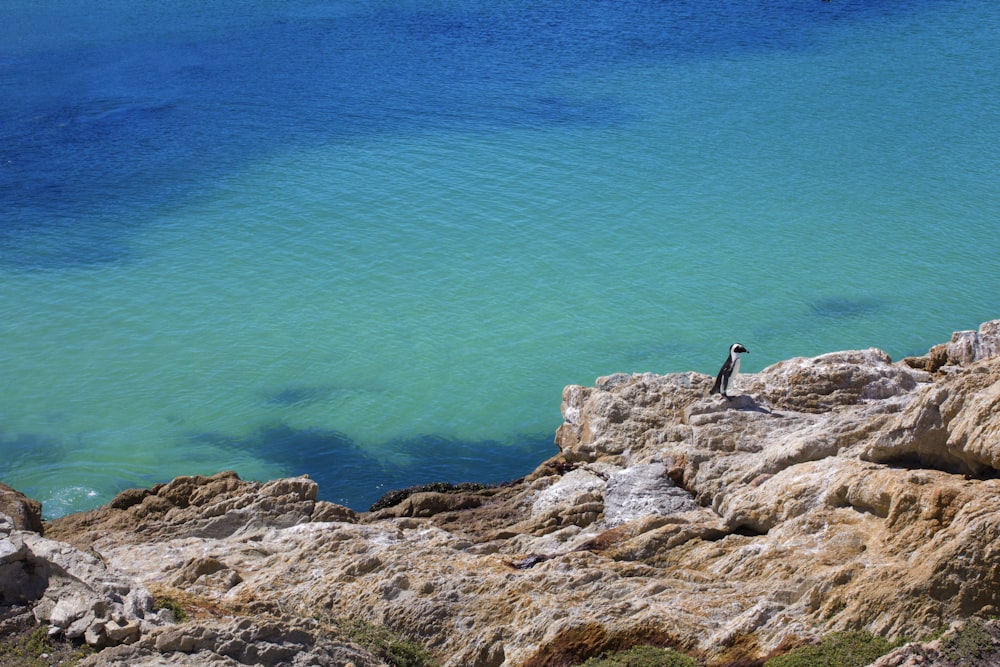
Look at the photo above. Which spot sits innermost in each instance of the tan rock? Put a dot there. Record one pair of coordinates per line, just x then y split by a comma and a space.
837, 492
258, 641
215, 506
25, 513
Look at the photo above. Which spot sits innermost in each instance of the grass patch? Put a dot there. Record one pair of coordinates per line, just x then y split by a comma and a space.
855, 648
34, 648
187, 607
28, 649
643, 656
167, 602
972, 642
394, 649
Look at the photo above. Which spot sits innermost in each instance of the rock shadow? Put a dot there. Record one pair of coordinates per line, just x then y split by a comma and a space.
747, 403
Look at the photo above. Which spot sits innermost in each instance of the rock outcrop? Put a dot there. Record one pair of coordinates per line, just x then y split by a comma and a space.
24, 513
237, 641
838, 492
202, 507
74, 592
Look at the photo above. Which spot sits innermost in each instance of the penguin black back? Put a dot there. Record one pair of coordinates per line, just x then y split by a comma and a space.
732, 365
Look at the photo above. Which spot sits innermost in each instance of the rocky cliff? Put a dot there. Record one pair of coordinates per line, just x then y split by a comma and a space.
838, 492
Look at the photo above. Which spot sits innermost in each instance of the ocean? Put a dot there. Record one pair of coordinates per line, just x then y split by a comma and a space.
371, 241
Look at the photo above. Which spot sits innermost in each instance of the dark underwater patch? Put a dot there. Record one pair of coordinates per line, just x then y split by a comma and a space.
348, 475
663, 356
329, 457
161, 119
27, 450
652, 353
62, 246
298, 396
436, 459
845, 308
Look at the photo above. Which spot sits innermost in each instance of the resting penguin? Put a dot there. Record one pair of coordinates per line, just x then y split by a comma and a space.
731, 366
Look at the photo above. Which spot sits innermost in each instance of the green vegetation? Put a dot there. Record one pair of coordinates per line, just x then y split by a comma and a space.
643, 656
35, 648
28, 649
971, 643
395, 650
840, 649
173, 605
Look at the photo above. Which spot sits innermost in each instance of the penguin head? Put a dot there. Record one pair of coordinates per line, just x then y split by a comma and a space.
737, 348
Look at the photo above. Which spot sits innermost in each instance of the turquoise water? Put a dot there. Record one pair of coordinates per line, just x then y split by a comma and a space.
372, 241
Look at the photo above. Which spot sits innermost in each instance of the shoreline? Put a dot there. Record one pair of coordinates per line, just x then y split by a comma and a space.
730, 530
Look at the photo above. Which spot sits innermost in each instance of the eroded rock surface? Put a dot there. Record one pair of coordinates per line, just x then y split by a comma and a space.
213, 507
838, 492
237, 641
25, 513
72, 591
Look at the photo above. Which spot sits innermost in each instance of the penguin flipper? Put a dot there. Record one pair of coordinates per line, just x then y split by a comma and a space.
718, 382
722, 379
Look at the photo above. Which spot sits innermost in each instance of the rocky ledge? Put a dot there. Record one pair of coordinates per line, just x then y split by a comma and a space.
831, 493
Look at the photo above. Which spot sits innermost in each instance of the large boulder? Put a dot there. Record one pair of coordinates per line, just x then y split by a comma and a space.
23, 578
25, 513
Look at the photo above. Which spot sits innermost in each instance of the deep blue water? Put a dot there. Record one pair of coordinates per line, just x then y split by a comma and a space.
372, 241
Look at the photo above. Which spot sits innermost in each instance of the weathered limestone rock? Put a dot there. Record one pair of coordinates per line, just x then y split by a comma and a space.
25, 513
643, 490
244, 641
965, 348
22, 579
949, 425
215, 507
839, 492
823, 383
72, 591
85, 599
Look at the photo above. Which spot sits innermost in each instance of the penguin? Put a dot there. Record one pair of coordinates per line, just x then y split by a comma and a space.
731, 367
